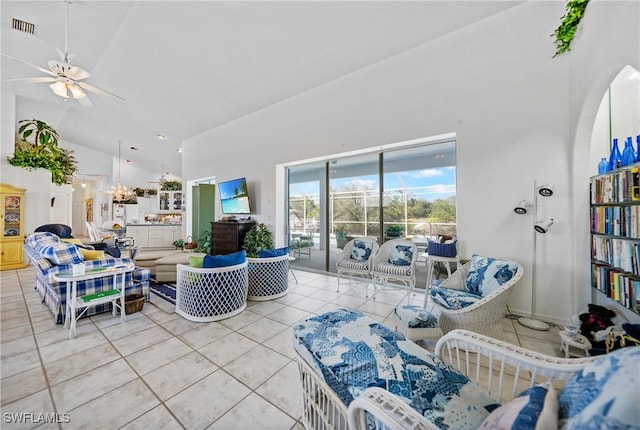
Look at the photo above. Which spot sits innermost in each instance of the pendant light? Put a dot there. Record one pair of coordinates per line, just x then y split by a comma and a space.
119, 193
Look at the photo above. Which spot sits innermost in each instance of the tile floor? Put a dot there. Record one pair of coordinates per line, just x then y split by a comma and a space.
160, 371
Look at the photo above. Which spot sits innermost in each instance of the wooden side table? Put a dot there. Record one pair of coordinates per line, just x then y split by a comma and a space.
578, 342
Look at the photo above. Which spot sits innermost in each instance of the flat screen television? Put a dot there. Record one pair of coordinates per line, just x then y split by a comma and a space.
234, 197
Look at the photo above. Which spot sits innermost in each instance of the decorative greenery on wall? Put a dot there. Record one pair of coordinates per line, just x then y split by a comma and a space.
171, 186
567, 30
43, 151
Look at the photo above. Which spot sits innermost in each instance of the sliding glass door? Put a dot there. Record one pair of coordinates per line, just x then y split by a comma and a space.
409, 191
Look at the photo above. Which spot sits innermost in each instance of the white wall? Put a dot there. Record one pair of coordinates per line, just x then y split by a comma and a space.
518, 115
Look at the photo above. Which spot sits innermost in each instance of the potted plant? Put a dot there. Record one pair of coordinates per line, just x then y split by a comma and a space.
43, 151
179, 244
393, 230
205, 241
257, 239
171, 186
139, 191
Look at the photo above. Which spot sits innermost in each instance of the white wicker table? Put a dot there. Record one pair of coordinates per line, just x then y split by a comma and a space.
578, 342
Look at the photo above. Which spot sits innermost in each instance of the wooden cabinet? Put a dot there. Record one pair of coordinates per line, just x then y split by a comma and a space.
228, 237
615, 235
12, 217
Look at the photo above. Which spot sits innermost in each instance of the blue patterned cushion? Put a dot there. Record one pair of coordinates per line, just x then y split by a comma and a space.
351, 352
487, 274
41, 237
605, 394
453, 299
414, 316
61, 253
536, 408
361, 250
401, 255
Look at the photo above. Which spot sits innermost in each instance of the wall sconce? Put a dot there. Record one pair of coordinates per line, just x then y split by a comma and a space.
543, 226
521, 207
546, 190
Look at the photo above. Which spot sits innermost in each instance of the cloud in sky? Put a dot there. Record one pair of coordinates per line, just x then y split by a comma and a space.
426, 173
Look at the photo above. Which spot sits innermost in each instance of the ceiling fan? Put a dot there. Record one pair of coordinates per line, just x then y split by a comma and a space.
64, 76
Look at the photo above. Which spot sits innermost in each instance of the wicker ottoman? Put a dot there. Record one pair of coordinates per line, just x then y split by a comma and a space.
166, 266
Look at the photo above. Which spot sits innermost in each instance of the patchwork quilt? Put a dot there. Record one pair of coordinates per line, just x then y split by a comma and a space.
352, 353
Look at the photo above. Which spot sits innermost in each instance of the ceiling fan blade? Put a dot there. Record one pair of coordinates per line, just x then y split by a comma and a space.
48, 72
77, 73
79, 95
33, 80
85, 101
97, 90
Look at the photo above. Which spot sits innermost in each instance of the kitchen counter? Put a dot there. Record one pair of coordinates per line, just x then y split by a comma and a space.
155, 235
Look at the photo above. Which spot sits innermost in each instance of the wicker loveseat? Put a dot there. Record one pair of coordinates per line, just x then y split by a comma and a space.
359, 374
50, 256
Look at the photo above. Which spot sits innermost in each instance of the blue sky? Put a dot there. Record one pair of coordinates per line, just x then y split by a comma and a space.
429, 184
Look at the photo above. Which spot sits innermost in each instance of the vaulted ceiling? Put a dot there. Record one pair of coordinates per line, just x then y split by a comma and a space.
188, 67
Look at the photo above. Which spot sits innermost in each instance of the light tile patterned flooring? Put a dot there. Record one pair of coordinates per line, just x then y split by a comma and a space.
160, 371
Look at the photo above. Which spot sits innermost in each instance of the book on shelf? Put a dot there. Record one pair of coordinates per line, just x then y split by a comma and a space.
101, 295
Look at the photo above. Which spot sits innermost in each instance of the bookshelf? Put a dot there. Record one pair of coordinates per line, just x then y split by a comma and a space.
615, 235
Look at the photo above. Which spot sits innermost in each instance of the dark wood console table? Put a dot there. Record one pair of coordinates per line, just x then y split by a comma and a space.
228, 237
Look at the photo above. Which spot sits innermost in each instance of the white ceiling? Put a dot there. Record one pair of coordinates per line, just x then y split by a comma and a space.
188, 67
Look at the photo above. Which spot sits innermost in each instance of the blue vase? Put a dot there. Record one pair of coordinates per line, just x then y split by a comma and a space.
638, 148
603, 166
615, 159
628, 154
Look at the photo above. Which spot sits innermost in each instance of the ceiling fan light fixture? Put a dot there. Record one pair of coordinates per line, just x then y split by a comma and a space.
76, 92
59, 89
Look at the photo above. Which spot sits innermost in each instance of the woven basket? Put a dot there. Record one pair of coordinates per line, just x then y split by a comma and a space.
133, 303
190, 243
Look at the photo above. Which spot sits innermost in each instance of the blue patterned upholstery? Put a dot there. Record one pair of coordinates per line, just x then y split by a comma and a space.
54, 294
414, 316
352, 264
536, 408
487, 274
361, 250
401, 255
61, 253
40, 238
605, 394
453, 299
393, 269
351, 352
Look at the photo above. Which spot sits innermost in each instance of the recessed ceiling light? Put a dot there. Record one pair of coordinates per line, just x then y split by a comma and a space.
179, 150
133, 148
127, 161
161, 136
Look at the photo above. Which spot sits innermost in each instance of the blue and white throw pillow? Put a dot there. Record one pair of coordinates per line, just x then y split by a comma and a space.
536, 408
36, 239
414, 316
453, 299
488, 274
401, 255
361, 250
61, 253
605, 394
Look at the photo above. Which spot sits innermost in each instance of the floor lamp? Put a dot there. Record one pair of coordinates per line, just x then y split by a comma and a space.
539, 227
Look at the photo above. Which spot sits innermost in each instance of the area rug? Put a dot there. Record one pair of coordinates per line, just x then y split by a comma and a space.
164, 291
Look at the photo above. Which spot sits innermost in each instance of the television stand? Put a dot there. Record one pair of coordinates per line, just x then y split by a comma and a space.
228, 237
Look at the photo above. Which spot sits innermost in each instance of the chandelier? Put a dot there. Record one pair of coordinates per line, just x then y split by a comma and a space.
119, 192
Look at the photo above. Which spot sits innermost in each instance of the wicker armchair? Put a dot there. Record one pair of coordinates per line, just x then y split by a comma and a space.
348, 266
483, 316
384, 270
204, 295
268, 277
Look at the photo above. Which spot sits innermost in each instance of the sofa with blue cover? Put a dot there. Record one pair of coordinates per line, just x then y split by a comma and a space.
51, 255
359, 374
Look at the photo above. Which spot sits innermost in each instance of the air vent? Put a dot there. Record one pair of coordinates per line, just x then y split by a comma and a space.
24, 26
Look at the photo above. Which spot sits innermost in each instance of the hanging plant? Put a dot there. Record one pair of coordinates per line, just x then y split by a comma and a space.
567, 30
171, 186
43, 151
